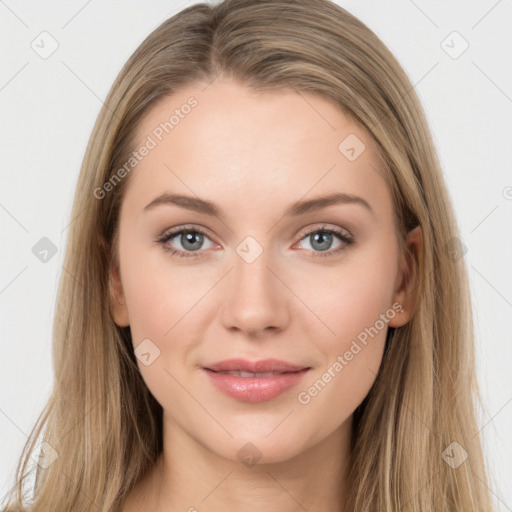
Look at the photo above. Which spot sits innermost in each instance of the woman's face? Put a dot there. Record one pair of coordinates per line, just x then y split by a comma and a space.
259, 275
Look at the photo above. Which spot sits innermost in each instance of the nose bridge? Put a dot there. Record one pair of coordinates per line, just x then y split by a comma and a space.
256, 299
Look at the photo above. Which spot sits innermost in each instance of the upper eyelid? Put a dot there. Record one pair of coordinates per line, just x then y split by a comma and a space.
325, 227
305, 231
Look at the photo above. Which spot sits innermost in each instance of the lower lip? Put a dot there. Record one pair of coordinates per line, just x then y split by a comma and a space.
255, 389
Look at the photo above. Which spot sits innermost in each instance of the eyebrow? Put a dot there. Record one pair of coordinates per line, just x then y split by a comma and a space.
299, 208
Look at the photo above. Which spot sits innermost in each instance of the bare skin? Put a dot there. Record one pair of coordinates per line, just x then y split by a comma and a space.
254, 155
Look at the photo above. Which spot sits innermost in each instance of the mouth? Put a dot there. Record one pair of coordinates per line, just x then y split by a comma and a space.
262, 366
254, 381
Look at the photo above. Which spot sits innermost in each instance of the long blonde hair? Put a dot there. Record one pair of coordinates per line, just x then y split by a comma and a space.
101, 420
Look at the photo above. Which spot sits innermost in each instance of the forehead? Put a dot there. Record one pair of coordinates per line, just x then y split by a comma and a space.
226, 142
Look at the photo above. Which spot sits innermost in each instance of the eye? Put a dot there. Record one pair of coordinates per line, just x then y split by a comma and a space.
190, 239
321, 240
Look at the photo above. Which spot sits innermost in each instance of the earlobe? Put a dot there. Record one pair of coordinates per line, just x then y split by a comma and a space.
117, 299
408, 277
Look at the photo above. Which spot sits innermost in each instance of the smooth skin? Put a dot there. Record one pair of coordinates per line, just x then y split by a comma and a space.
254, 155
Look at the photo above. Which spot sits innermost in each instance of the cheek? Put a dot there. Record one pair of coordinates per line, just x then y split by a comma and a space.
351, 298
335, 391
162, 300
351, 362
159, 294
355, 303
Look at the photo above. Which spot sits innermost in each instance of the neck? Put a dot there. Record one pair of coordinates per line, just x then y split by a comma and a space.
190, 477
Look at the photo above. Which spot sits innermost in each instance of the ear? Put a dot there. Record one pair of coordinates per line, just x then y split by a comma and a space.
408, 277
117, 299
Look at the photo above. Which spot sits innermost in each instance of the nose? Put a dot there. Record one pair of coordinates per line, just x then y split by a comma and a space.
256, 300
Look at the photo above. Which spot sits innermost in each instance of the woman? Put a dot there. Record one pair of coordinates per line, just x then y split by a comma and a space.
311, 348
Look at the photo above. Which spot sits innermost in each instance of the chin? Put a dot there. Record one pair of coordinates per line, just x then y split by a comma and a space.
258, 449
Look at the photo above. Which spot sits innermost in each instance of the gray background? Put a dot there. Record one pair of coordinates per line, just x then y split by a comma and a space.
48, 107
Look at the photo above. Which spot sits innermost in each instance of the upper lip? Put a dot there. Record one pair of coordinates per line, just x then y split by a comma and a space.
261, 366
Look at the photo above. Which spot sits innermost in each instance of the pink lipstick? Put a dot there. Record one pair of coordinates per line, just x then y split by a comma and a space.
254, 381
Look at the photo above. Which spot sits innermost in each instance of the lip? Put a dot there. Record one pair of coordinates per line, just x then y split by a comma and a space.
257, 388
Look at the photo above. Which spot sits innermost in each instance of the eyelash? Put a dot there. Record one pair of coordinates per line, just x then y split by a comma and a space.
163, 239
